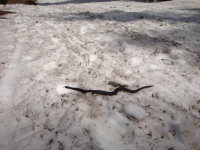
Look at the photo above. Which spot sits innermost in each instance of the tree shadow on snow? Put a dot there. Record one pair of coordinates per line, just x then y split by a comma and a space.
77, 2
89, 1
145, 1
192, 9
146, 38
123, 16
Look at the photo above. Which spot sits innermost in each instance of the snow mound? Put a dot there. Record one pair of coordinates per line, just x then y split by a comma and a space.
135, 111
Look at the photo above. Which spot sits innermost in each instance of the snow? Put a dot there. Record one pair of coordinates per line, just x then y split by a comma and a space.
86, 44
135, 111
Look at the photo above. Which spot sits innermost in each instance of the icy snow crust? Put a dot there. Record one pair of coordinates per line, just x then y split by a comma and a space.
86, 44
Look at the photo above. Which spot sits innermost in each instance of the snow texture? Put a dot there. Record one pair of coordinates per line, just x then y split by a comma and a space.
135, 111
86, 44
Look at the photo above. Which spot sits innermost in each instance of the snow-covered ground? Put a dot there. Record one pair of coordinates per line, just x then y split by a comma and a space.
86, 44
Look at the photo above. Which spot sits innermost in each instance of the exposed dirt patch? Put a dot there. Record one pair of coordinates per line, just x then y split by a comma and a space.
28, 2
4, 13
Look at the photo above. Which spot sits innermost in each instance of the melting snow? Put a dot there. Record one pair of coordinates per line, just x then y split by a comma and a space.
86, 44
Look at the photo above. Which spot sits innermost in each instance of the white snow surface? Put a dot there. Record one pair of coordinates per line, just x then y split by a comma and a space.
135, 111
86, 44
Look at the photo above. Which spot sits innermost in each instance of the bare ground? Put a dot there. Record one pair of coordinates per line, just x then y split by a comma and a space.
27, 2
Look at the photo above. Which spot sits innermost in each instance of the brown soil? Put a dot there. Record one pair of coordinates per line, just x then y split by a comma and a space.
4, 13
28, 2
